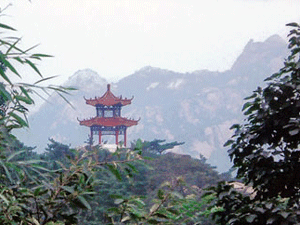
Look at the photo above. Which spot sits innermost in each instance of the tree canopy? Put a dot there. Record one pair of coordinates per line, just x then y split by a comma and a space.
265, 150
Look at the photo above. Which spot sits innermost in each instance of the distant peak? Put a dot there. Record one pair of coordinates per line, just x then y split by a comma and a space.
147, 69
84, 72
261, 52
150, 69
275, 39
85, 76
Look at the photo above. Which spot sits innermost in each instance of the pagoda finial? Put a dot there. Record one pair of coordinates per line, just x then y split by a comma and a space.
108, 87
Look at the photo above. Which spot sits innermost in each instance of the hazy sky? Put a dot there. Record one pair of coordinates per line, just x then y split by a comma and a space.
117, 37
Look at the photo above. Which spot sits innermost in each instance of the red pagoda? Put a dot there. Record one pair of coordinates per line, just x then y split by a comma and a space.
108, 120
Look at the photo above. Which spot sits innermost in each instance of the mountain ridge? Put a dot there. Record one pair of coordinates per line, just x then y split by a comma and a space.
194, 107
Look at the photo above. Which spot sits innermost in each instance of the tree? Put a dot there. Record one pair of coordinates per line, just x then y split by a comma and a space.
56, 153
158, 146
265, 151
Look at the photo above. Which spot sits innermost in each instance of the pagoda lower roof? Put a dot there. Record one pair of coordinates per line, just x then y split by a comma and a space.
108, 122
108, 99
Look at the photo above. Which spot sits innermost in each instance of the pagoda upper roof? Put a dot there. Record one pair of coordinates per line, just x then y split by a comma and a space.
108, 99
109, 122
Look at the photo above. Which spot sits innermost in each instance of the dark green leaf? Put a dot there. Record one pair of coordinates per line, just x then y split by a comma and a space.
40, 55
12, 46
114, 171
24, 99
229, 142
293, 24
4, 26
84, 202
7, 63
21, 121
5, 93
6, 171
68, 189
31, 64
3, 75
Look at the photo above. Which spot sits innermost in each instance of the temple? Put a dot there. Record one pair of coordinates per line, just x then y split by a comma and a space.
108, 120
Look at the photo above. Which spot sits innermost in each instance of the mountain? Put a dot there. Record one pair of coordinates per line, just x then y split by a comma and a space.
196, 108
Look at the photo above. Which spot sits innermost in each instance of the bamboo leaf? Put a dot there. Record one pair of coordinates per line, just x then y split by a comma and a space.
4, 26
40, 55
46, 176
21, 121
24, 99
64, 98
31, 64
25, 92
5, 93
58, 89
154, 208
7, 63
68, 189
9, 44
3, 75
35, 221
15, 154
4, 199
27, 50
18, 59
126, 218
114, 171
44, 79
32, 161
6, 171
132, 167
12, 46
84, 202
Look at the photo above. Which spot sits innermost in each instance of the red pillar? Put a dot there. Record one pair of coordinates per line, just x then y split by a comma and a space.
117, 137
100, 133
125, 138
91, 135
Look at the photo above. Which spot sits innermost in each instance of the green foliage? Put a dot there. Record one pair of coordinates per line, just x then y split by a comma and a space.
121, 174
265, 151
232, 206
169, 166
169, 178
158, 147
168, 207
56, 153
46, 196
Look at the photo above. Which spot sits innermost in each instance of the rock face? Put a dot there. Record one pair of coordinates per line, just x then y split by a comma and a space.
196, 108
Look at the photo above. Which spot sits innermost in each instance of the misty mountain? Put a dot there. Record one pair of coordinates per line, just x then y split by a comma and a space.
196, 108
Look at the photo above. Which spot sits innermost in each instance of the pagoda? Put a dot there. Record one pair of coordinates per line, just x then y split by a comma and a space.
108, 120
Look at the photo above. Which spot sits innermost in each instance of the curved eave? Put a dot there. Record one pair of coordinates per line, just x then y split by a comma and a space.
108, 99
108, 122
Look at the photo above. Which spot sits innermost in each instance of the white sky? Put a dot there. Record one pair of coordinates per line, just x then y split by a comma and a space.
117, 37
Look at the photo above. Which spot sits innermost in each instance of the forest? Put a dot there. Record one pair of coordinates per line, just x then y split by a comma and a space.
147, 184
